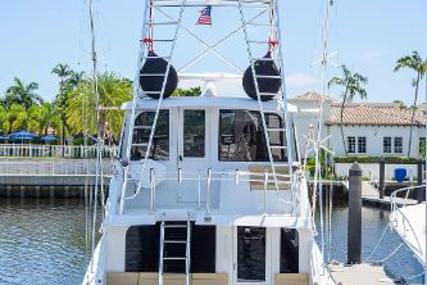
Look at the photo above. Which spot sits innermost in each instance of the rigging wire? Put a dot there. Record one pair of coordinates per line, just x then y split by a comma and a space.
317, 183
378, 243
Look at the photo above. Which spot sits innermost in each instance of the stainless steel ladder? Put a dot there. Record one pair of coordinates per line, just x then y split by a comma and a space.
164, 242
282, 101
149, 21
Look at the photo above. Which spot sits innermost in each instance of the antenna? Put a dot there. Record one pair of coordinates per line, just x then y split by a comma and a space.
99, 175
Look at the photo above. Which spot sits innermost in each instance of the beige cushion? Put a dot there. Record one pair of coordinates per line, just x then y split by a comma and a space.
179, 279
259, 185
209, 279
122, 278
291, 279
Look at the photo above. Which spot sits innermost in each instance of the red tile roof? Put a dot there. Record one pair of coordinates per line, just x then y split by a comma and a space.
375, 114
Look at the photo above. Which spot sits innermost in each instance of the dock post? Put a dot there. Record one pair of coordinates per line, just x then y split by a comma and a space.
420, 191
354, 238
382, 179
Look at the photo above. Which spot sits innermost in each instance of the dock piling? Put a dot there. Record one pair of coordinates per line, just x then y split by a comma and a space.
382, 179
354, 238
420, 191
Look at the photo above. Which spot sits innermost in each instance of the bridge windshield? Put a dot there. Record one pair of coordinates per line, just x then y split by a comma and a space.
141, 134
241, 135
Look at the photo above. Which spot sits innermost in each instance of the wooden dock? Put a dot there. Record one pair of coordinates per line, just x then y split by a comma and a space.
371, 197
357, 274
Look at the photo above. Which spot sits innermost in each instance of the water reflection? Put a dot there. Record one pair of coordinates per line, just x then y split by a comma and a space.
42, 242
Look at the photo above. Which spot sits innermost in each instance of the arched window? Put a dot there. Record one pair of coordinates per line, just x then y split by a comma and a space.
141, 135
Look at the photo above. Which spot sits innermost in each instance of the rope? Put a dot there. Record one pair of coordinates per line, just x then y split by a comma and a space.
378, 243
391, 254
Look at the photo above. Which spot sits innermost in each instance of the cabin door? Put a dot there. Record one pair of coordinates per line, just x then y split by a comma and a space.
251, 255
193, 153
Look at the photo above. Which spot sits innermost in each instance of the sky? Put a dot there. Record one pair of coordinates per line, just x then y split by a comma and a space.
367, 36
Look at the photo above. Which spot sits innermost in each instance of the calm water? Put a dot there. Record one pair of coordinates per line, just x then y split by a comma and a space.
43, 242
401, 264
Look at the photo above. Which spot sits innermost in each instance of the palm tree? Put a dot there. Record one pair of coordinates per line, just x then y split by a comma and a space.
419, 65
354, 85
13, 118
68, 80
63, 71
21, 93
113, 92
43, 117
75, 78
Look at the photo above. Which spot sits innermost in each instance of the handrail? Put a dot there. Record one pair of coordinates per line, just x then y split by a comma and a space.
405, 221
235, 176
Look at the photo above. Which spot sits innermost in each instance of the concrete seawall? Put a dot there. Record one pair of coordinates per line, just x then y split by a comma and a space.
45, 178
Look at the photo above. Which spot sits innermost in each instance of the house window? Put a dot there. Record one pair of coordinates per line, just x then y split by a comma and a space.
387, 144
361, 144
351, 144
398, 145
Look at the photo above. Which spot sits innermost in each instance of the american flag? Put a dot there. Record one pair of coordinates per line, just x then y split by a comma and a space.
205, 16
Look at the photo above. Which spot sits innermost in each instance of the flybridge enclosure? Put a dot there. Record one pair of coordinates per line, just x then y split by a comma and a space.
250, 29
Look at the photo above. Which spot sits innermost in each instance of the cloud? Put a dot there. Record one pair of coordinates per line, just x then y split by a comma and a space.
301, 80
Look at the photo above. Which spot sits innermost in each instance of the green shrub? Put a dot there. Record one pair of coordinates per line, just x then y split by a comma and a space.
375, 159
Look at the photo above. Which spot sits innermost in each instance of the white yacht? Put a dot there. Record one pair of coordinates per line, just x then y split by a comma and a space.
208, 189
409, 221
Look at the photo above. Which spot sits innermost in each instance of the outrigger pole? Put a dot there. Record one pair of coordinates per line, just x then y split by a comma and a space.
317, 183
99, 174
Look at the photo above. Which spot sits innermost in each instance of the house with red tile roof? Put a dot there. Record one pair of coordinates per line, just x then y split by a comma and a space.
370, 129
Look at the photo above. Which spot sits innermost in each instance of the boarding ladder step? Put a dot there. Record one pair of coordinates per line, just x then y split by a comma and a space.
276, 129
161, 23
268, 76
175, 248
278, 147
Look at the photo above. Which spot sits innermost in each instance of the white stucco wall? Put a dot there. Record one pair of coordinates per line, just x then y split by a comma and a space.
374, 139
